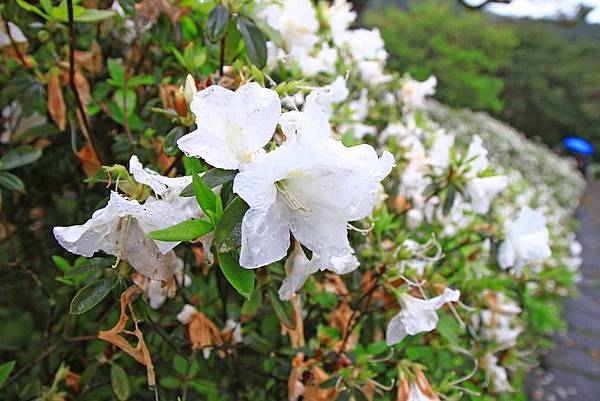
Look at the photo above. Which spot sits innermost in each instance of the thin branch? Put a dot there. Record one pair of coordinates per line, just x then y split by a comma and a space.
483, 4
84, 118
174, 163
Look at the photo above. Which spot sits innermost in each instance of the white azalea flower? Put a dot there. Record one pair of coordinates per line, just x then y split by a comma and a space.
323, 61
296, 21
497, 374
393, 130
413, 93
439, 154
340, 17
164, 187
417, 315
334, 93
527, 240
481, 191
363, 44
312, 185
120, 229
477, 155
233, 127
372, 72
298, 268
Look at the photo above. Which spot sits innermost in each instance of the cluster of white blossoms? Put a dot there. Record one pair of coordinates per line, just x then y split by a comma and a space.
311, 185
304, 187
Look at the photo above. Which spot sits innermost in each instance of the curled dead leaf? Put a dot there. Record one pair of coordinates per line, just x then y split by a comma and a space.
56, 102
204, 335
113, 336
89, 160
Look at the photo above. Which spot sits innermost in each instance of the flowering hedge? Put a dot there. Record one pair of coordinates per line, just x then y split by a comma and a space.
262, 211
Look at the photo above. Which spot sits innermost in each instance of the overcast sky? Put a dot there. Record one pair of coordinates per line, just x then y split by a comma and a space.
543, 8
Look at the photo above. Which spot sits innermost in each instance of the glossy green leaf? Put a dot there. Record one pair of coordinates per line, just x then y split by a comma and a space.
217, 23
283, 312
91, 295
93, 15
204, 195
11, 182
241, 279
251, 305
119, 382
188, 230
256, 44
20, 156
232, 215
5, 370
116, 71
87, 267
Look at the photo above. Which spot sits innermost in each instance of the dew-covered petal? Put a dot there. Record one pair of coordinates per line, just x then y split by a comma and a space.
265, 236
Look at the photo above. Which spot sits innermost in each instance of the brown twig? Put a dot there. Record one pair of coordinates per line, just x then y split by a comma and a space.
84, 118
222, 63
125, 112
172, 165
353, 320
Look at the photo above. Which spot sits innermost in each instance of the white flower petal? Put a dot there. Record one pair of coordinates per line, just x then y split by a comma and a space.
232, 126
161, 185
265, 236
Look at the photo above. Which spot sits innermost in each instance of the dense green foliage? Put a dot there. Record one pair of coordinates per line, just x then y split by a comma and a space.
465, 51
136, 71
540, 76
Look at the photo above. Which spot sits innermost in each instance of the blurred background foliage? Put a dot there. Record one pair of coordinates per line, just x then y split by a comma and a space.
540, 76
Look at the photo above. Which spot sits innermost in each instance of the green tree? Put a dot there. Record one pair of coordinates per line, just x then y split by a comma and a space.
464, 49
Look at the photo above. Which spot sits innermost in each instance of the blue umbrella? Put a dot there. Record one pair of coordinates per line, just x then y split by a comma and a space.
578, 145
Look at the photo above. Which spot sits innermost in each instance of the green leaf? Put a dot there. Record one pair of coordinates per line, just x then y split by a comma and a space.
120, 382
170, 145
232, 215
213, 178
89, 266
20, 156
116, 71
329, 383
282, 312
217, 23
188, 230
93, 15
11, 182
241, 279
30, 7
449, 200
204, 195
180, 365
91, 295
359, 395
140, 80
5, 370
251, 305
256, 45
170, 382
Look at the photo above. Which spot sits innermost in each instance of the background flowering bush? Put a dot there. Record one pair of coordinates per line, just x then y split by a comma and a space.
246, 204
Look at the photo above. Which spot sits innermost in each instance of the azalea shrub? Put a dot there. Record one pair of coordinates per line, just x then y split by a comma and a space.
231, 200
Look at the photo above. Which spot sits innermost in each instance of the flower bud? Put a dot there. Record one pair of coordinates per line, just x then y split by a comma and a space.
189, 89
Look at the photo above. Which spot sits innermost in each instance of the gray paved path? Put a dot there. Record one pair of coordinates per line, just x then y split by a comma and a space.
571, 370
